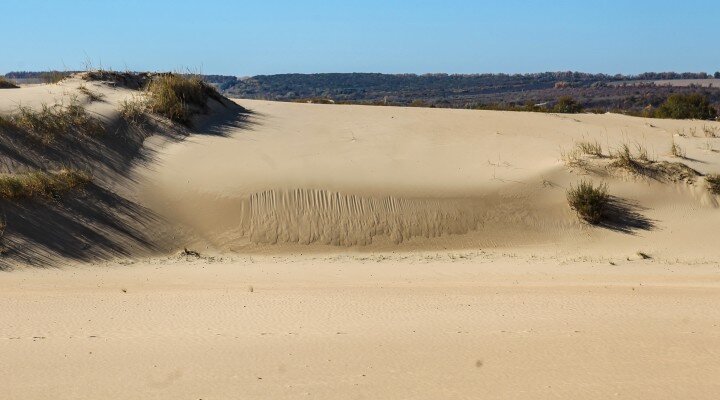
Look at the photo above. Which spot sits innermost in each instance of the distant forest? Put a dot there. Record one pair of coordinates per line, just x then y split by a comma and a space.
594, 92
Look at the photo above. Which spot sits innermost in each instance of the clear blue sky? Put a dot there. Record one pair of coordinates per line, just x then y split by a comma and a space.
278, 36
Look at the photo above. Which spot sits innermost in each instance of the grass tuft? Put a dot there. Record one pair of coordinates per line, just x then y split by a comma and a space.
38, 184
179, 97
133, 110
50, 122
93, 96
590, 148
589, 201
677, 151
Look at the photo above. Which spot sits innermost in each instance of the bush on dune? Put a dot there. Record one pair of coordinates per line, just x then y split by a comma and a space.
589, 201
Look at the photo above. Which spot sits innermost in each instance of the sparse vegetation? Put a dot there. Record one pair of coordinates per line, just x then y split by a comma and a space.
179, 97
711, 131
567, 105
713, 182
53, 76
593, 148
93, 96
133, 110
677, 151
686, 106
6, 84
50, 122
41, 184
589, 201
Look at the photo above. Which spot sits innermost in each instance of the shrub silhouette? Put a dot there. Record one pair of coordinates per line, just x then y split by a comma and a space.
567, 105
686, 106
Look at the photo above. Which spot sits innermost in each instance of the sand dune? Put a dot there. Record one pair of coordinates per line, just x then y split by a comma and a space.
363, 252
378, 177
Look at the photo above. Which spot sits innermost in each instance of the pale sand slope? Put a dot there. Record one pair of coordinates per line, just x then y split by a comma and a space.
415, 326
393, 177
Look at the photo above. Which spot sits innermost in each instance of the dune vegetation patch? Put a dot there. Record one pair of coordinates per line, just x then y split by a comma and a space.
179, 97
6, 84
713, 182
49, 122
590, 202
39, 184
640, 164
91, 94
130, 80
133, 110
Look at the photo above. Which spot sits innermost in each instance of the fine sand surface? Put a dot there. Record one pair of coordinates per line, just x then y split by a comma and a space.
358, 252
460, 325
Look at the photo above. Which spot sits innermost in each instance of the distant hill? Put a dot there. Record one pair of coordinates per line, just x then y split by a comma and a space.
593, 91
597, 92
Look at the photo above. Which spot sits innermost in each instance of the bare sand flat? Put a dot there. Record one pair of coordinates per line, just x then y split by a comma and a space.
379, 252
421, 326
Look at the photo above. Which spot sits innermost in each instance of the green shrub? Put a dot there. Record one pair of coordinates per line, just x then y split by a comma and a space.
41, 184
567, 105
686, 106
179, 97
589, 201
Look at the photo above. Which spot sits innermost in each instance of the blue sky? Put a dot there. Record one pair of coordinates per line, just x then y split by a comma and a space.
279, 36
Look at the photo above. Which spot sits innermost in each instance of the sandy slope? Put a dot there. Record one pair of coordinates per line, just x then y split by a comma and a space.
462, 325
390, 178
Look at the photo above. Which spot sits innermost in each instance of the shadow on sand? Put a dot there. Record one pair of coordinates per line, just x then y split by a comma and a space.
626, 216
98, 222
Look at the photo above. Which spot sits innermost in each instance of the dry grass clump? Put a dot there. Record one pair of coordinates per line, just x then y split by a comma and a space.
713, 182
46, 124
711, 131
6, 84
41, 184
179, 97
590, 148
677, 151
93, 96
133, 110
589, 201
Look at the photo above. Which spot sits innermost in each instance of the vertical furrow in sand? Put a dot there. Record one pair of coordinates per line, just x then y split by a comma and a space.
320, 216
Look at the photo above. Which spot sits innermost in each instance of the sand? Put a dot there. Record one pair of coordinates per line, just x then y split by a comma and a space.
460, 325
381, 252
